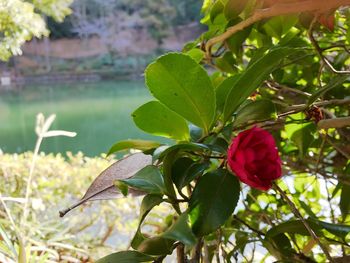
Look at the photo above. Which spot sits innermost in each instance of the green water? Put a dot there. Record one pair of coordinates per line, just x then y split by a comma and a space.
98, 112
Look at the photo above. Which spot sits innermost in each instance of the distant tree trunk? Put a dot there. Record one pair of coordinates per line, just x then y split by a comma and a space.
47, 52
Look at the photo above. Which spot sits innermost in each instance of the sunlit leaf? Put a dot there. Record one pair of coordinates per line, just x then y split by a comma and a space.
148, 179
142, 145
181, 231
255, 111
182, 85
156, 119
252, 77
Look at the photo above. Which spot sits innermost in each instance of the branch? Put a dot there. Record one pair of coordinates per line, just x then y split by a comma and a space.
298, 215
323, 58
248, 226
334, 123
276, 10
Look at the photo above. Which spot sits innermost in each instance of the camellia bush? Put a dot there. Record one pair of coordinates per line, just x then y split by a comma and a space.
258, 166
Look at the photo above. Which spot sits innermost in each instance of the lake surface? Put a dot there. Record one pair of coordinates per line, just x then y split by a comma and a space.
100, 113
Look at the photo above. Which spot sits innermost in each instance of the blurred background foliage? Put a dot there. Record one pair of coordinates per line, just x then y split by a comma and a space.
86, 235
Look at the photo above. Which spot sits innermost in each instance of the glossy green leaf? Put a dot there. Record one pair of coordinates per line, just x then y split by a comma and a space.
148, 179
216, 10
297, 227
226, 63
252, 77
304, 137
156, 246
196, 53
336, 229
181, 84
279, 246
233, 8
196, 133
213, 201
122, 187
148, 203
293, 227
255, 111
126, 257
142, 145
218, 145
344, 202
222, 92
156, 119
188, 147
235, 41
335, 82
181, 231
279, 25
185, 170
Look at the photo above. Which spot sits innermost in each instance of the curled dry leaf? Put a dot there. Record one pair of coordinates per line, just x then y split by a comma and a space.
103, 187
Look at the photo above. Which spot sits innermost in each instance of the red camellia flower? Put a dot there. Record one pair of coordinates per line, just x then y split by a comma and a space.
254, 159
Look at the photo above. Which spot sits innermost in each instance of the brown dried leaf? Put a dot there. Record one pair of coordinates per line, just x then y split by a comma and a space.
103, 187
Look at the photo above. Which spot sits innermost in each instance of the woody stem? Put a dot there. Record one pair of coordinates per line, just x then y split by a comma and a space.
305, 223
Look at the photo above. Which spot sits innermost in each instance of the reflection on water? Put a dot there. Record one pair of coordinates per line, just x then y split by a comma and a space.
98, 112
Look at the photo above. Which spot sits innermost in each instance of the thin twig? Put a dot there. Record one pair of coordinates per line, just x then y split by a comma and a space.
340, 150
180, 253
298, 215
334, 123
323, 58
250, 227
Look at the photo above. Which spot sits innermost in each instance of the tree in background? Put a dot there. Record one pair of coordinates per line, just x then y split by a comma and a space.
21, 20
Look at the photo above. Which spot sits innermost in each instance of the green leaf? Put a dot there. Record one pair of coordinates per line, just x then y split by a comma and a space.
226, 63
148, 203
196, 54
156, 246
279, 246
156, 119
297, 227
122, 187
293, 227
235, 41
252, 77
344, 203
216, 10
126, 257
255, 111
280, 25
196, 133
142, 145
304, 137
181, 231
222, 91
336, 229
335, 82
184, 170
233, 8
181, 84
188, 147
148, 179
213, 201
